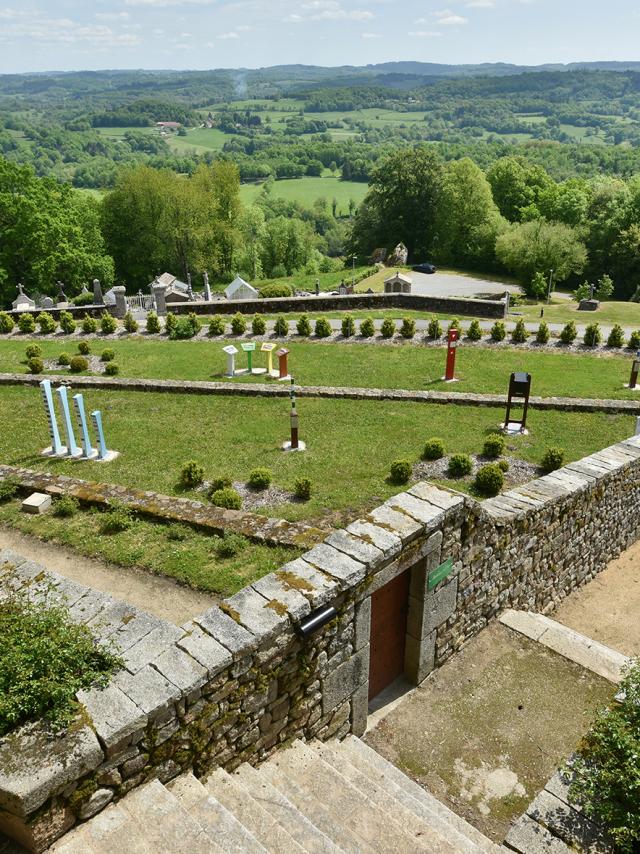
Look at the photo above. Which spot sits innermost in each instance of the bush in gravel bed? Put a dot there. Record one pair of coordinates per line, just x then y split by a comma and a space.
569, 333
153, 323
494, 446
592, 335
108, 355
227, 498
489, 480
259, 478
542, 335
170, 322
218, 483
77, 364
185, 328
323, 328
474, 332
634, 340
616, 336
83, 348
388, 328
303, 326
64, 359
503, 465
454, 324
35, 365
67, 323
33, 351
519, 334
129, 323
367, 328
552, 459
434, 329
433, 449
6, 323
258, 325
498, 331
46, 323
400, 471
217, 325
460, 465
281, 327
348, 327
108, 323
26, 323
89, 324
302, 488
111, 369
408, 327
191, 474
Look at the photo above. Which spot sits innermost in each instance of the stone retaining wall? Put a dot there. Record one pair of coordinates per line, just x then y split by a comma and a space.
240, 681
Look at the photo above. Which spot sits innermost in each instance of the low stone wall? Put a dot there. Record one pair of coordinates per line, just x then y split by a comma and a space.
242, 679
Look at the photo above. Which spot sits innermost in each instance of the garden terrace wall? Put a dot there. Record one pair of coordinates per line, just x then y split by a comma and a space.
77, 311
239, 681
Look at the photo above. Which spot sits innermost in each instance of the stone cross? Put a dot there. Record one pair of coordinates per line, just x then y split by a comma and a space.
62, 297
20, 291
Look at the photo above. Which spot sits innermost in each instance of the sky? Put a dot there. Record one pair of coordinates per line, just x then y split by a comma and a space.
65, 35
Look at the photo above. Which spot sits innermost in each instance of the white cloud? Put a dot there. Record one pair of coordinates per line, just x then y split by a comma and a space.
35, 26
447, 18
424, 34
163, 4
481, 4
327, 10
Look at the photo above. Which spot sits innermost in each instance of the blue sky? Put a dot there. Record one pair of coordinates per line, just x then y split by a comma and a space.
37, 35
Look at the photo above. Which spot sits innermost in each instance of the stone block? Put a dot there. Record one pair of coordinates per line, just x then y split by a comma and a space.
389, 544
226, 631
360, 710
345, 680
528, 837
252, 610
309, 581
282, 594
433, 610
149, 690
397, 523
357, 548
342, 567
113, 714
362, 624
180, 669
206, 651
420, 510
151, 645
438, 497
37, 502
98, 801
419, 657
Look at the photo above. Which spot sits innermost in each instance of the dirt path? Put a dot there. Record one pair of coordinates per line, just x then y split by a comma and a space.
608, 608
157, 595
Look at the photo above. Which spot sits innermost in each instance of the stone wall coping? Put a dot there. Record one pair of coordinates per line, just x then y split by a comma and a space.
563, 404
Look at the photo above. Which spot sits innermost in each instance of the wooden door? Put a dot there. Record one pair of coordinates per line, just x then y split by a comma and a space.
389, 607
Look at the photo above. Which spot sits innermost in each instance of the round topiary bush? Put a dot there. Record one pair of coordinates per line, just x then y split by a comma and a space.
592, 335
258, 325
474, 332
64, 359
281, 327
238, 324
503, 465
302, 489
460, 465
191, 474
569, 333
259, 478
227, 498
489, 480
388, 328
367, 328
498, 331
83, 348
33, 351
89, 324
217, 325
129, 323
348, 327
408, 327
552, 459
542, 335
433, 449
279, 289
634, 340
153, 324
35, 365
434, 329
6, 323
84, 298
67, 323
108, 323
616, 336
111, 369
303, 326
519, 334
218, 483
494, 446
323, 328
46, 323
78, 364
26, 323
400, 471
108, 355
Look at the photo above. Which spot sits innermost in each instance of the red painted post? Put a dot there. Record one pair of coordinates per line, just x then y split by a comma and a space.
452, 342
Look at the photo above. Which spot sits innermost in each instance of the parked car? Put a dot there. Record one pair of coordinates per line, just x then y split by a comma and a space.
424, 268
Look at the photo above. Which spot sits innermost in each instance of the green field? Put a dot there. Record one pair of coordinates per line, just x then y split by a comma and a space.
307, 190
562, 311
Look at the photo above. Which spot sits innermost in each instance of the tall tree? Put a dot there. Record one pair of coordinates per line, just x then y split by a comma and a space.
538, 247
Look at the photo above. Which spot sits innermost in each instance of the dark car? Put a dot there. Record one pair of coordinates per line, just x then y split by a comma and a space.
423, 268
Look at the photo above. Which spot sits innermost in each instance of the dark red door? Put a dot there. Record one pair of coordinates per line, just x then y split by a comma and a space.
389, 606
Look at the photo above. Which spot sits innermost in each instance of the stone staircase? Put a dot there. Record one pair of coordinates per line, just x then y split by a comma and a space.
316, 798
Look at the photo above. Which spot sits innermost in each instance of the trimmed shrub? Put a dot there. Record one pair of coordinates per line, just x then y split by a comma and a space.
89, 324
67, 323
400, 471
388, 328
498, 331
77, 364
82, 299
218, 483
230, 545
119, 518
592, 335
64, 359
303, 326
569, 333
494, 446
519, 334
217, 325
129, 323
46, 323
153, 324
83, 348
489, 480
542, 335
238, 324
191, 475
348, 327
454, 324
408, 327
552, 459
35, 365
108, 323
9, 487
259, 478
258, 325
33, 351
185, 327
108, 355
26, 323
65, 506
228, 498
616, 336
460, 465
433, 449
277, 289
111, 369
503, 465
170, 322
323, 328
367, 328
6, 323
634, 340
434, 329
474, 332
281, 327
302, 489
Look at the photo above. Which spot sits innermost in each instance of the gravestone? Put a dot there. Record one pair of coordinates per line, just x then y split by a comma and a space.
119, 293
46, 303
160, 298
62, 301
23, 302
98, 299
207, 287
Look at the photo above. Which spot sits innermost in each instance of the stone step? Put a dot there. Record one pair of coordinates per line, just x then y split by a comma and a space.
227, 832
311, 838
528, 837
384, 798
348, 804
417, 799
232, 794
310, 806
165, 823
111, 830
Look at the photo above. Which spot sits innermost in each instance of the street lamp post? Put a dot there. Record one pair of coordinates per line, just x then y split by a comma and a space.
353, 270
550, 283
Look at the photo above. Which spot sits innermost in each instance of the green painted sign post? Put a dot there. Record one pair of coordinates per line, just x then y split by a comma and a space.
439, 573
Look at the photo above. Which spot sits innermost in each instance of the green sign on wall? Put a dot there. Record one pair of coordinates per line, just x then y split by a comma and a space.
439, 573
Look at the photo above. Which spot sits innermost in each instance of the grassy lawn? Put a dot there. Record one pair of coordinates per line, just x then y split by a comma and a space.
307, 190
624, 313
482, 370
173, 550
351, 444
328, 281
